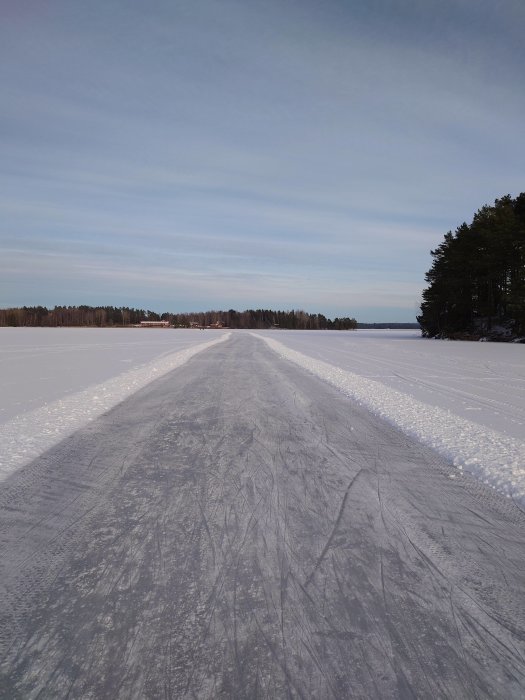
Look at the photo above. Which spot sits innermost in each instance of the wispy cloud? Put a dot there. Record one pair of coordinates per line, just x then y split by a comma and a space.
318, 150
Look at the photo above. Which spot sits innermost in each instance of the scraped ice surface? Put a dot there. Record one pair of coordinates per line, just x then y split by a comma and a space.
40, 365
30, 433
496, 458
481, 382
466, 400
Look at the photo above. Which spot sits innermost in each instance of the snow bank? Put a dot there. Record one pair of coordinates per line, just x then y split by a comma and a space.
496, 459
483, 383
28, 435
41, 365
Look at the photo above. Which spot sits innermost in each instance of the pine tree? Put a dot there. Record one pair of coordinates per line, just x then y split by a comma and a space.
477, 279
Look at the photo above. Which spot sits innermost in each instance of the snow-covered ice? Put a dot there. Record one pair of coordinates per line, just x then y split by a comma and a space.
55, 380
431, 390
481, 382
40, 365
241, 497
466, 400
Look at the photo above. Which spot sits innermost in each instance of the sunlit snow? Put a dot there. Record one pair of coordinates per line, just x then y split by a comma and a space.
431, 390
465, 400
55, 380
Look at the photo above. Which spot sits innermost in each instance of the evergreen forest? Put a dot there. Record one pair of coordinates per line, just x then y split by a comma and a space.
476, 285
111, 316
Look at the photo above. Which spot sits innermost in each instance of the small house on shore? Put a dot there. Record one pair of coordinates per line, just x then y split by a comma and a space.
153, 324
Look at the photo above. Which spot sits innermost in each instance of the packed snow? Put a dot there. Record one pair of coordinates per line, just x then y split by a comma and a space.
55, 380
431, 390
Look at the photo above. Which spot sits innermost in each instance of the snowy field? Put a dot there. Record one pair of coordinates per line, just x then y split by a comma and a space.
465, 400
55, 380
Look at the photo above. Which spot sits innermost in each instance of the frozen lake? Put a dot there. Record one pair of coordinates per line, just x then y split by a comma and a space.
241, 528
482, 382
54, 381
39, 365
467, 400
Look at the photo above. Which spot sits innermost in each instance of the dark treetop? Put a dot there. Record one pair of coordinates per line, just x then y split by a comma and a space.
477, 279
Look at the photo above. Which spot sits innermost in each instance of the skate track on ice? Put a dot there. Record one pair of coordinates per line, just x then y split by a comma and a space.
240, 529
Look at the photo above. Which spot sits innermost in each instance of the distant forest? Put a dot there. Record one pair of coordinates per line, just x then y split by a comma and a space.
388, 326
111, 316
477, 279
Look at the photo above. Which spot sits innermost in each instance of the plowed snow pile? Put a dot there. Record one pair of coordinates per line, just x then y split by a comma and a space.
37, 365
433, 370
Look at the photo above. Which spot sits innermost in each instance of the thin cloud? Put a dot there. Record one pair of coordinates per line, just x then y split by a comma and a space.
318, 149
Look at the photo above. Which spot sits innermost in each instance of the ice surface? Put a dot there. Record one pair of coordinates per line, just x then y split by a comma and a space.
466, 400
54, 381
40, 365
481, 382
429, 389
242, 526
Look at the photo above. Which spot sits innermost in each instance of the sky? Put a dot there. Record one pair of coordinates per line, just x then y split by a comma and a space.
184, 155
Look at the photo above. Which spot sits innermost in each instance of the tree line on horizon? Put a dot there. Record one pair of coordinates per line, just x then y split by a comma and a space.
123, 316
477, 279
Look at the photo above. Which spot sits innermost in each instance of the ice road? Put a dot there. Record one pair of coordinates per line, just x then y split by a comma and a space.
239, 528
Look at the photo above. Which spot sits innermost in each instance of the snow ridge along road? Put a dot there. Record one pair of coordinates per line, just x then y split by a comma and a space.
496, 459
28, 435
241, 529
